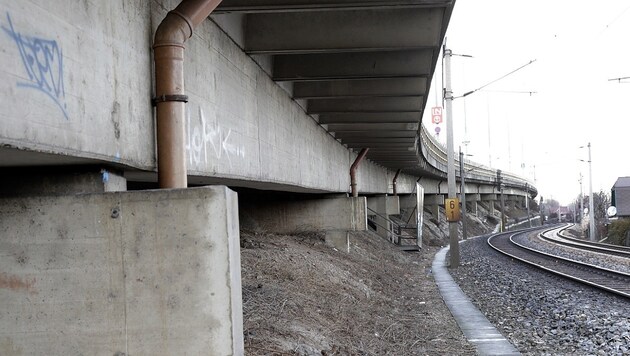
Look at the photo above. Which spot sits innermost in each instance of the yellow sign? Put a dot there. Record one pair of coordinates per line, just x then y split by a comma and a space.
452, 209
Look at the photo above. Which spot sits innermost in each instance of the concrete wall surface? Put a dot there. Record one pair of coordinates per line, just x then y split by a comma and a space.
77, 78
89, 96
34, 182
126, 273
347, 214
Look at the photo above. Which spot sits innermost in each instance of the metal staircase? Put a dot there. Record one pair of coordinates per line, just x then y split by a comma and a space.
395, 230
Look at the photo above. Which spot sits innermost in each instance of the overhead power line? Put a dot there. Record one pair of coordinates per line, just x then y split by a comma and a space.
496, 80
618, 79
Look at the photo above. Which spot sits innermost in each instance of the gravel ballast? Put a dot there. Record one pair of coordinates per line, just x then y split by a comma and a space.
540, 313
616, 263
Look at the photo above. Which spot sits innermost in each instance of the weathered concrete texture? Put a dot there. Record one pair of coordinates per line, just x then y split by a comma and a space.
408, 205
405, 184
134, 273
434, 201
334, 214
338, 239
39, 182
80, 74
240, 125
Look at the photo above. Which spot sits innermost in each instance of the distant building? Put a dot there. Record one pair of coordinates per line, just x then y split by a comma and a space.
564, 214
620, 196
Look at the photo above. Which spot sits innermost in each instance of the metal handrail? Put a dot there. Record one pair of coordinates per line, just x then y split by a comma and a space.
397, 231
384, 217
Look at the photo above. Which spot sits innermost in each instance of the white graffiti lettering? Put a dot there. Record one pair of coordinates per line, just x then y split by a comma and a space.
205, 135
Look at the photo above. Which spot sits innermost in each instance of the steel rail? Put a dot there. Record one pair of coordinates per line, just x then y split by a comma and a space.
559, 238
602, 278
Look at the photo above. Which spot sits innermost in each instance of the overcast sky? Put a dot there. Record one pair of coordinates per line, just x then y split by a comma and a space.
577, 47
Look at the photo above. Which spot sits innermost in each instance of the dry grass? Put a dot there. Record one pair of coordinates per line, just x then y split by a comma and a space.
301, 297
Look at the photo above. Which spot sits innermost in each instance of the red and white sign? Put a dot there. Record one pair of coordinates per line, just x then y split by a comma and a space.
436, 115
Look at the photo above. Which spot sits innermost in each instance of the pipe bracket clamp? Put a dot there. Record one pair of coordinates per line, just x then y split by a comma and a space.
164, 98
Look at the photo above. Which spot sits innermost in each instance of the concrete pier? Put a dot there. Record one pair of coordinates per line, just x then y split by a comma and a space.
127, 273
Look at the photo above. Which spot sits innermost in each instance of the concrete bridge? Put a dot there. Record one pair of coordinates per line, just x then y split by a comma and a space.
105, 101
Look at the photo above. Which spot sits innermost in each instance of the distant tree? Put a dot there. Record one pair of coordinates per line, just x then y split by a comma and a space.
551, 205
601, 202
575, 207
549, 208
618, 231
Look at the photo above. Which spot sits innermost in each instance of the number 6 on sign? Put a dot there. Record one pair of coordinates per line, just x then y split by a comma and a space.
452, 210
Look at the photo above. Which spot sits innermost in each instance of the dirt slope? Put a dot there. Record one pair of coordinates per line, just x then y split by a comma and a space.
301, 297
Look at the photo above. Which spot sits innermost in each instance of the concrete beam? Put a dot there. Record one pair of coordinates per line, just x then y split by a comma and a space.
473, 197
359, 65
395, 147
135, 273
362, 87
434, 199
489, 197
405, 104
372, 127
358, 30
369, 117
374, 134
359, 142
401, 156
249, 6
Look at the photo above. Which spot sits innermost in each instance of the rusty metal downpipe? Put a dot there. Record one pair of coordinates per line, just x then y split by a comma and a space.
353, 171
394, 182
170, 98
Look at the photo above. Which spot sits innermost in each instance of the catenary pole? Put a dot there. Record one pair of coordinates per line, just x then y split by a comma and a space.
462, 179
591, 211
448, 97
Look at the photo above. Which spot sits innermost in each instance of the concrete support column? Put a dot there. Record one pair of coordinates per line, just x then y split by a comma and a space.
384, 206
473, 207
434, 201
408, 204
511, 201
334, 215
471, 202
490, 199
128, 273
339, 239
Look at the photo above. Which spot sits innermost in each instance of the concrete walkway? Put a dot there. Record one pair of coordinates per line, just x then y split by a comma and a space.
477, 329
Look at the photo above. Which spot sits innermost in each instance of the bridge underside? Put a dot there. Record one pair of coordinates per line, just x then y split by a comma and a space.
362, 69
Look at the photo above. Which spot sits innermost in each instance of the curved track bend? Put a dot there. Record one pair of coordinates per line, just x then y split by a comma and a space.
559, 237
606, 279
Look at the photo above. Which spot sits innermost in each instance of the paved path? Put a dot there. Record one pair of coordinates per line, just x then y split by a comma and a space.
477, 329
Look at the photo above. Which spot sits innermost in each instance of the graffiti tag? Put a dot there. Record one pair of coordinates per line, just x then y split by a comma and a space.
210, 136
43, 62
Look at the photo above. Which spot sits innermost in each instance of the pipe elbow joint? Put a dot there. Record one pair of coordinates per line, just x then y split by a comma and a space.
174, 30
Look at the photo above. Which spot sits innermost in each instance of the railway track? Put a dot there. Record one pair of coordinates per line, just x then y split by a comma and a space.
558, 238
606, 279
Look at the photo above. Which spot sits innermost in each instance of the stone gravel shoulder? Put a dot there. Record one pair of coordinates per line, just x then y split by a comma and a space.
542, 314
